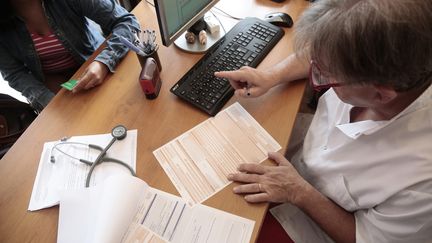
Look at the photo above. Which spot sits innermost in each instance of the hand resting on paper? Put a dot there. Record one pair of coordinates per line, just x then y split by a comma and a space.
263, 183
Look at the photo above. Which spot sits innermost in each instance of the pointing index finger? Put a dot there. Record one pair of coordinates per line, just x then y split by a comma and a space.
232, 75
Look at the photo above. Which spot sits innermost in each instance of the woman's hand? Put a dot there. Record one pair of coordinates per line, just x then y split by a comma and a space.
93, 76
280, 183
249, 82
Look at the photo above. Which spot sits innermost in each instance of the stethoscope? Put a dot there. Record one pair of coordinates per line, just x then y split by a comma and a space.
119, 132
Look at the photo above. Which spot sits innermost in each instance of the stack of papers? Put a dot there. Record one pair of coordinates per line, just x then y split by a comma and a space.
199, 161
121, 208
126, 209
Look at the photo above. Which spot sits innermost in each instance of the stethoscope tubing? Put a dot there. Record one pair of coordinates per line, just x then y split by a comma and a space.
101, 157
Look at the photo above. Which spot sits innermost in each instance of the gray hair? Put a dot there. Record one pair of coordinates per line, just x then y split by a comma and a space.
386, 42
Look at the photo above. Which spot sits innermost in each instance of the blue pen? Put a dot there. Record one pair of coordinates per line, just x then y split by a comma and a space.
131, 46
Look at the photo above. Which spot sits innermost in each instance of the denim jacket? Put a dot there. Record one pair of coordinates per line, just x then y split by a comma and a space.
20, 64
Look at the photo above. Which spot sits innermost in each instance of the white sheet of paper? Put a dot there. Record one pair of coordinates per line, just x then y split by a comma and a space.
125, 209
101, 213
69, 174
199, 161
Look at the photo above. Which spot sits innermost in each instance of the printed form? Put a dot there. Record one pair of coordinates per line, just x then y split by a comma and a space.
163, 217
199, 161
125, 209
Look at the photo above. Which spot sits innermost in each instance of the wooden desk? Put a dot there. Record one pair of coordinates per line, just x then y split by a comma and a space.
120, 101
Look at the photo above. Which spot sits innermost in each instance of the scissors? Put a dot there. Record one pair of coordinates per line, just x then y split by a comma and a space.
119, 132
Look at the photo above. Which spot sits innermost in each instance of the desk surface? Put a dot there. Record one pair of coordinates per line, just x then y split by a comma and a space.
120, 101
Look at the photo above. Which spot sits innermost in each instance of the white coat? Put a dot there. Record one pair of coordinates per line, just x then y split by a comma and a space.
379, 170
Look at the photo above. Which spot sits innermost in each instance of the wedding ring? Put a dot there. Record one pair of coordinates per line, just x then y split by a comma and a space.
259, 187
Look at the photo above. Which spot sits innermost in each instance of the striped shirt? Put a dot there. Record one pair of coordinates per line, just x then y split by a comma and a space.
53, 55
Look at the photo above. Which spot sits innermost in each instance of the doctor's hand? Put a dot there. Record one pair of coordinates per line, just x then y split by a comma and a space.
249, 82
93, 76
263, 183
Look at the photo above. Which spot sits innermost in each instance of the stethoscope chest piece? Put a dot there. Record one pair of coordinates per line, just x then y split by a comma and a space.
119, 132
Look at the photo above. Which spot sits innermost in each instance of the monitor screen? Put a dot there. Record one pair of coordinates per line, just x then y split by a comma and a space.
176, 16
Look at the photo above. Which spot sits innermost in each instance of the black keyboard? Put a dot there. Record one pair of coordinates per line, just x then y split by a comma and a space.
246, 44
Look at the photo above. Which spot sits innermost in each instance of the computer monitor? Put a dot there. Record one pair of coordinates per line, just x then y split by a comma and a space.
176, 16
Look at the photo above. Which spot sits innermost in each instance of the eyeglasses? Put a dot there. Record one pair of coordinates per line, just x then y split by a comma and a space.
318, 80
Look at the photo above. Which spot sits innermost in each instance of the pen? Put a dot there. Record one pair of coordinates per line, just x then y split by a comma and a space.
247, 87
147, 41
137, 40
131, 46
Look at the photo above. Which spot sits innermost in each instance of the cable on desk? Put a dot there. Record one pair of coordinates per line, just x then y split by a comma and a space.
150, 3
211, 11
227, 14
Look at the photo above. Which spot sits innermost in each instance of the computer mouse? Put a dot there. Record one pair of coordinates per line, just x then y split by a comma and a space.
279, 19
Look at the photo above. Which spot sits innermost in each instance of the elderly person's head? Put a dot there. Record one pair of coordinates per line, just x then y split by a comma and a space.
386, 43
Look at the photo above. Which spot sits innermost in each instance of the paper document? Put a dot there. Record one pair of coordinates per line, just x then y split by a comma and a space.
198, 161
126, 209
68, 173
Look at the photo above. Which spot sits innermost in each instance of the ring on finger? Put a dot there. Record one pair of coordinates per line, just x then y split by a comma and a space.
259, 187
